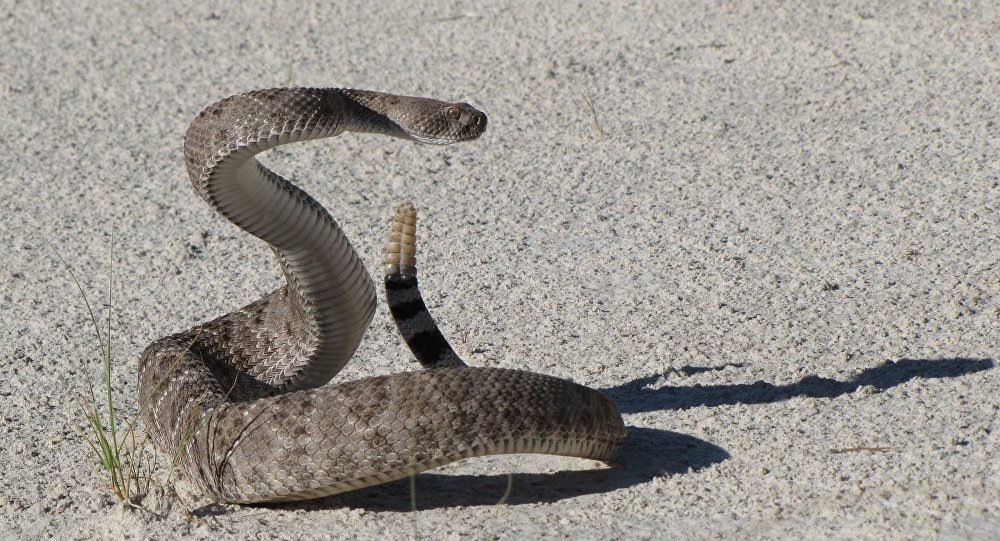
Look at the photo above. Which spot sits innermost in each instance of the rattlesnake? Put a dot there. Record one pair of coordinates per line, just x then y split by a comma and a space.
240, 400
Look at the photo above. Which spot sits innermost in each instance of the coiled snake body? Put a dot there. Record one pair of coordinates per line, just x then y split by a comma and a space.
240, 399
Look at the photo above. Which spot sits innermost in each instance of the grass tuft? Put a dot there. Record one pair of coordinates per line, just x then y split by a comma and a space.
127, 459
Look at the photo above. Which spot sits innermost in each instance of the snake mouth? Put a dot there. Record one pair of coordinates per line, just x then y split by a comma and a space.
426, 140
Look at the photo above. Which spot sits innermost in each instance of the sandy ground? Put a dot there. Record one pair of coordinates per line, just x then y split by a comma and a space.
774, 242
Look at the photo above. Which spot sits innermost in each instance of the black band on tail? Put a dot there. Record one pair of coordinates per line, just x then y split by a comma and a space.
415, 323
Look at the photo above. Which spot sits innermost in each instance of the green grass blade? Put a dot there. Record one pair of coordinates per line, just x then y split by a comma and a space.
83, 294
107, 358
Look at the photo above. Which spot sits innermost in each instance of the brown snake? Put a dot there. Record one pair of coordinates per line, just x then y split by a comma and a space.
241, 399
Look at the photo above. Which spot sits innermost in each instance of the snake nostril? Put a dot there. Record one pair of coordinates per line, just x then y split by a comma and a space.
479, 120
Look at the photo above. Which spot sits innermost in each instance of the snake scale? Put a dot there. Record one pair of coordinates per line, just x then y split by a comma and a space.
241, 401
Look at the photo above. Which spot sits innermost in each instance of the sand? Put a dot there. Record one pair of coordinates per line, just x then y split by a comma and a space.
773, 241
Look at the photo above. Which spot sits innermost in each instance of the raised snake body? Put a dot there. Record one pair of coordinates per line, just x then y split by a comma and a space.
240, 400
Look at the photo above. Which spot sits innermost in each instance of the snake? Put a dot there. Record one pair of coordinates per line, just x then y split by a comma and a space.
242, 402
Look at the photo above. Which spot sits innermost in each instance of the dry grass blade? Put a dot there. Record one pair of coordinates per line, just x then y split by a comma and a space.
593, 113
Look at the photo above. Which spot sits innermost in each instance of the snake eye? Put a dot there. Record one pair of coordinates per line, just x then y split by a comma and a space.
454, 113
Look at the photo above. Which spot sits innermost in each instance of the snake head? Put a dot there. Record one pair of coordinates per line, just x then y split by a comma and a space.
423, 120
441, 123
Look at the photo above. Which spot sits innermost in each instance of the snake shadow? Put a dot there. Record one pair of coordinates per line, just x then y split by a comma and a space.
647, 453
638, 396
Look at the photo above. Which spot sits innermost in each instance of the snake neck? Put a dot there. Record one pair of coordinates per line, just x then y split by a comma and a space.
303, 334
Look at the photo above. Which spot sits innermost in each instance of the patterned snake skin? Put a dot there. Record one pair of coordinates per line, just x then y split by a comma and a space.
240, 400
